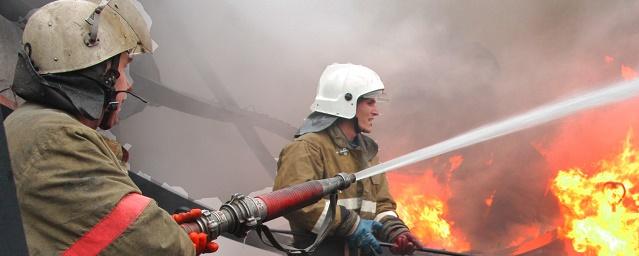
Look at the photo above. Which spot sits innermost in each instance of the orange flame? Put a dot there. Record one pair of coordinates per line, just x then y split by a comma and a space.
600, 211
608, 59
489, 200
421, 203
628, 73
599, 203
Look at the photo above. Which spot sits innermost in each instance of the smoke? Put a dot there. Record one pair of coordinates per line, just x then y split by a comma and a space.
231, 80
476, 64
238, 76
8, 47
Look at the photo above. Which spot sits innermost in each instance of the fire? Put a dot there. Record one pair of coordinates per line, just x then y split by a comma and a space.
489, 200
421, 203
628, 73
598, 202
425, 217
601, 211
608, 59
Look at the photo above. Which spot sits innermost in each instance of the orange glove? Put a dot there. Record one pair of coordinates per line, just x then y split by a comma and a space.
189, 216
199, 239
201, 244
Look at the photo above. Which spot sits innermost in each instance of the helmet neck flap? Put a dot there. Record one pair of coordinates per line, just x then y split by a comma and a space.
85, 93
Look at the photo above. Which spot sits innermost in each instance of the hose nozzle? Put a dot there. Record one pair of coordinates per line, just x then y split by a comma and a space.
347, 180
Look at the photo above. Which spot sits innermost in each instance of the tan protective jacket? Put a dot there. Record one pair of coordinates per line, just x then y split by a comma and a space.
68, 179
322, 155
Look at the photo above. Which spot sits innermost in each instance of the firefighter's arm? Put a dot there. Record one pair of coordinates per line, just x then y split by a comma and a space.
73, 182
386, 205
392, 225
299, 162
89, 186
154, 233
393, 228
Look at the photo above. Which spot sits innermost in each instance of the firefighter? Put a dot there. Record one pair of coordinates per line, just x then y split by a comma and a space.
332, 140
72, 185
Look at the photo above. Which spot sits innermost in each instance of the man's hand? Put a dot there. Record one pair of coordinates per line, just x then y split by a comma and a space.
199, 239
363, 237
188, 216
405, 244
201, 245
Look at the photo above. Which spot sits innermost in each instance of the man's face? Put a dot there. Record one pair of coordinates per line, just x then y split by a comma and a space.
122, 84
366, 112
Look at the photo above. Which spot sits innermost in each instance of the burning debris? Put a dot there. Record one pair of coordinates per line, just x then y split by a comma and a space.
490, 198
601, 211
424, 209
574, 194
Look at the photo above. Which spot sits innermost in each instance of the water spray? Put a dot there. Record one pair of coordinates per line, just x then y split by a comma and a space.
244, 213
535, 117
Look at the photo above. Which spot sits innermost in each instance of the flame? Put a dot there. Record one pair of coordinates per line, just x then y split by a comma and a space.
628, 73
600, 211
599, 203
524, 246
421, 203
608, 59
489, 200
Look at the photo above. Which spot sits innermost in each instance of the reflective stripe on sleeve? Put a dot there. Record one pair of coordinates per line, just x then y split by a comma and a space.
384, 214
369, 206
110, 227
350, 203
357, 203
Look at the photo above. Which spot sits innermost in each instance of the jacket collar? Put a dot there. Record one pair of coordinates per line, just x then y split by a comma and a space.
363, 143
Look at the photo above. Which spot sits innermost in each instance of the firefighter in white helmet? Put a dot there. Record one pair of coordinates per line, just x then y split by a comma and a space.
73, 189
331, 140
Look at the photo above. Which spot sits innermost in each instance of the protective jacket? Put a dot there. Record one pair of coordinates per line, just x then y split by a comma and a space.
70, 183
323, 154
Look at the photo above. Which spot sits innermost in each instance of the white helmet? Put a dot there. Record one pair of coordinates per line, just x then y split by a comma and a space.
341, 85
68, 35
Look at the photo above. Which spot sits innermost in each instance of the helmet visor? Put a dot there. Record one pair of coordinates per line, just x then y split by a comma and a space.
377, 95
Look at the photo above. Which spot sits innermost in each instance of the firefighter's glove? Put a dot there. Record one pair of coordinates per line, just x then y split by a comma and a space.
363, 237
200, 240
187, 216
396, 232
405, 244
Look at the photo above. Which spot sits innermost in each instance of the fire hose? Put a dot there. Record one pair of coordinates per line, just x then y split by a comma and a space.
384, 244
243, 213
430, 250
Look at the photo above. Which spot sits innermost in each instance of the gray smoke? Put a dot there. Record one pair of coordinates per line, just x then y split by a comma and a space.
231, 80
489, 61
239, 76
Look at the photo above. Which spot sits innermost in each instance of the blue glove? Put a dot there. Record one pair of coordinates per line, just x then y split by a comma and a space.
363, 237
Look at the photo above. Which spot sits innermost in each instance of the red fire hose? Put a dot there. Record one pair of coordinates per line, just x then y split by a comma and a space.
243, 213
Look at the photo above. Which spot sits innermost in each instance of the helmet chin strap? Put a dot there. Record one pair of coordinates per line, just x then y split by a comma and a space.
110, 103
112, 106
